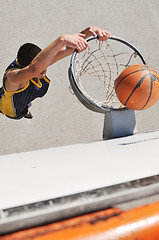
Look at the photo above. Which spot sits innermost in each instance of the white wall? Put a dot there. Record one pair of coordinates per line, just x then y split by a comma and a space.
59, 118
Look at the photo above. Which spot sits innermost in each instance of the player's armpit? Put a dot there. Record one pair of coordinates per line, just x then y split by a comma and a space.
18, 76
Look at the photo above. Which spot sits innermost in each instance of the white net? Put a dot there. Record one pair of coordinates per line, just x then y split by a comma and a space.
98, 66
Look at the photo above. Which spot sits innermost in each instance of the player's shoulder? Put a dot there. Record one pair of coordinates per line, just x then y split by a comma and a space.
13, 65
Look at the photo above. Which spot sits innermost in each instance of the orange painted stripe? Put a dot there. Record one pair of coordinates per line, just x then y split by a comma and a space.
140, 223
51, 231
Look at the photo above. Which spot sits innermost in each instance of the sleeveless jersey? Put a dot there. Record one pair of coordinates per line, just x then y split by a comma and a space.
15, 104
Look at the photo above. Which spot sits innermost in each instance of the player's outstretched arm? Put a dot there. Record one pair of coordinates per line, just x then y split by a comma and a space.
44, 59
58, 49
89, 31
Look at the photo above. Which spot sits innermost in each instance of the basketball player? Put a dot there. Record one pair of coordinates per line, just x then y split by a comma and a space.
25, 78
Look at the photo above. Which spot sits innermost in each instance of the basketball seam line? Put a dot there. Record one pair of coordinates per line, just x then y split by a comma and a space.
148, 96
137, 86
127, 76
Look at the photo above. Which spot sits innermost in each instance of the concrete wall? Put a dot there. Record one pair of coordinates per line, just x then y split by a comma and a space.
59, 118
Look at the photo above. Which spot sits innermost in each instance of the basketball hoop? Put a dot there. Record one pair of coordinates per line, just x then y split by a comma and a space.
92, 72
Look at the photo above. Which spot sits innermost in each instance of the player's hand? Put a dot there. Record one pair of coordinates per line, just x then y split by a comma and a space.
102, 34
76, 40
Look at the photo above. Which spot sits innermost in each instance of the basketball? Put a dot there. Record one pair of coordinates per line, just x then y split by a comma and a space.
137, 87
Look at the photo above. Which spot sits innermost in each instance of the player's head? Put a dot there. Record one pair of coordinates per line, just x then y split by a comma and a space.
26, 53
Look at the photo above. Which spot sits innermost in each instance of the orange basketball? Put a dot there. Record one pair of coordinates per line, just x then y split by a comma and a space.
137, 87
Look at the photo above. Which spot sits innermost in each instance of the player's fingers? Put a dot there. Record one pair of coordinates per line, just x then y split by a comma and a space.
83, 42
100, 36
93, 32
109, 34
82, 35
104, 35
82, 45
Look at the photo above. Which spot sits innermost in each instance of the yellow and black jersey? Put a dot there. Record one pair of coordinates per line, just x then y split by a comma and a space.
15, 104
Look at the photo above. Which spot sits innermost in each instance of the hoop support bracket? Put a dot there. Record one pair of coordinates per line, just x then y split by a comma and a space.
119, 123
